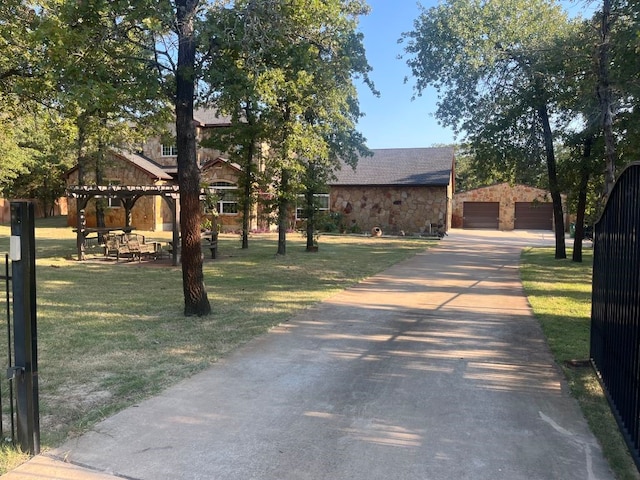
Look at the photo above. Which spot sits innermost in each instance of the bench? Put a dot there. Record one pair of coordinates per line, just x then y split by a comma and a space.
137, 249
129, 246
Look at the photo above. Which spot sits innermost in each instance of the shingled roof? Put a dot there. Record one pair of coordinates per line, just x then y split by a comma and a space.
145, 164
400, 166
208, 117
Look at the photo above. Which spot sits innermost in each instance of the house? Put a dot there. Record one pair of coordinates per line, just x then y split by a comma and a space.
154, 169
397, 190
504, 207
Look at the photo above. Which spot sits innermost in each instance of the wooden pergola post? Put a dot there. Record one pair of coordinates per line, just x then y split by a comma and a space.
128, 195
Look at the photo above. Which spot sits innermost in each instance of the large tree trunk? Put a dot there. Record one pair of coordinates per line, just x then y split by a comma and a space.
283, 212
311, 222
247, 202
310, 206
246, 214
195, 294
582, 200
558, 217
605, 97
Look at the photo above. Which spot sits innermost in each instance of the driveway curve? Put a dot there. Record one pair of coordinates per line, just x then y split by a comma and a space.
434, 369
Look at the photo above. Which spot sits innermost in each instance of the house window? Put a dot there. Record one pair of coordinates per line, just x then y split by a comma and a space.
321, 201
114, 202
227, 197
169, 150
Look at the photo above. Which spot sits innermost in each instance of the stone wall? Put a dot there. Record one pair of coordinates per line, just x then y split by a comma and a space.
394, 209
148, 213
223, 172
152, 148
507, 195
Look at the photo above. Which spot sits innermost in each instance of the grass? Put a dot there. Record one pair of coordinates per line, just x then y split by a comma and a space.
559, 292
112, 334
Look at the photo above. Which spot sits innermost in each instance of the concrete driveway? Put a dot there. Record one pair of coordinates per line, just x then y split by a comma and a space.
434, 369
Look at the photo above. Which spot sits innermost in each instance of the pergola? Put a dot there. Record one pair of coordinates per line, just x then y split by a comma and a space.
128, 195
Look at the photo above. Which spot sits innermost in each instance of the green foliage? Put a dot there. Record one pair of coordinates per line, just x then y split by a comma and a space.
491, 65
14, 160
47, 140
98, 68
494, 66
284, 73
206, 224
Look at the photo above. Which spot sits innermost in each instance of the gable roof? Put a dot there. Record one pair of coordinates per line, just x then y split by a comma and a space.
400, 166
219, 160
144, 163
209, 117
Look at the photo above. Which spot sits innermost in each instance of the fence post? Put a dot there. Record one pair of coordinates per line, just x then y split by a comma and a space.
25, 370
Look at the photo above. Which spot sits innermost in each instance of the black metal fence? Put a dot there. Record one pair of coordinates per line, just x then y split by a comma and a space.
7, 399
615, 314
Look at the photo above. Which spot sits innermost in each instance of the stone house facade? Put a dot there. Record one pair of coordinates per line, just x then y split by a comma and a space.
397, 190
504, 207
156, 165
124, 168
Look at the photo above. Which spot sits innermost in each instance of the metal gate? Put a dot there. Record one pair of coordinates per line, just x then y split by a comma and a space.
615, 305
7, 400
19, 397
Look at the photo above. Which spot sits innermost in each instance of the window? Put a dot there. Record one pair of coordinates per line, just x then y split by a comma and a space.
227, 197
321, 201
114, 202
169, 150
228, 203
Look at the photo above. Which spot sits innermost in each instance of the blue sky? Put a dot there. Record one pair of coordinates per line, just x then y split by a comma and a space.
393, 120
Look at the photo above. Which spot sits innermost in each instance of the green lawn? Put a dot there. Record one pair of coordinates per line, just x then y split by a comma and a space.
112, 334
559, 292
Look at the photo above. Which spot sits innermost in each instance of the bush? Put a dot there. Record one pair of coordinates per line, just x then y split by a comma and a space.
331, 222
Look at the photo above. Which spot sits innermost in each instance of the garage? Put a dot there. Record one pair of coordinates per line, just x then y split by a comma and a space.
481, 215
534, 216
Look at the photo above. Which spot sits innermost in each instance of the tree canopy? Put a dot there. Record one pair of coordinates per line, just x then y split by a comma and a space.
284, 72
494, 66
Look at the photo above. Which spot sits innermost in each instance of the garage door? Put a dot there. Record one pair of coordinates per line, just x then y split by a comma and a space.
534, 216
480, 215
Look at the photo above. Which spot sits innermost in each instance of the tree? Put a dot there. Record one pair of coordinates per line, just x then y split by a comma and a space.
19, 53
46, 139
578, 171
114, 65
231, 71
195, 294
18, 50
605, 95
618, 82
290, 82
97, 59
14, 160
491, 63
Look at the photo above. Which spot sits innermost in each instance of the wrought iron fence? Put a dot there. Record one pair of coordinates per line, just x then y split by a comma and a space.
615, 310
7, 399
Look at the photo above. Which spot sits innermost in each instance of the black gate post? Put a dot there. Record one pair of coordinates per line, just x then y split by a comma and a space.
25, 370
